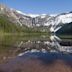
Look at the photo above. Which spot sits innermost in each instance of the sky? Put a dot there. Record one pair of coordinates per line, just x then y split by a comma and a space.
40, 6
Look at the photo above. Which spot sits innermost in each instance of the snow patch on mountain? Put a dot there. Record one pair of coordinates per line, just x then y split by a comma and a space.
67, 18
31, 15
43, 15
20, 12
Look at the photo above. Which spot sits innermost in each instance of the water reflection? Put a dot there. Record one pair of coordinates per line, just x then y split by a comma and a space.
19, 52
11, 46
52, 45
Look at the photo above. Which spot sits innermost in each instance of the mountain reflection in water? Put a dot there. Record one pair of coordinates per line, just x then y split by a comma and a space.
32, 54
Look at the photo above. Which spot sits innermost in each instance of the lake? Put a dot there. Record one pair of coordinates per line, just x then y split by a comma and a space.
35, 54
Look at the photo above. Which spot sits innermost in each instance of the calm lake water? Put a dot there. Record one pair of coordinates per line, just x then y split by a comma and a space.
34, 54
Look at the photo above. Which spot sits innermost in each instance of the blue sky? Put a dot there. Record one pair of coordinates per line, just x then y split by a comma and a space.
40, 6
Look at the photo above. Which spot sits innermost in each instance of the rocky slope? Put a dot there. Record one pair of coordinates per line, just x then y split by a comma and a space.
36, 20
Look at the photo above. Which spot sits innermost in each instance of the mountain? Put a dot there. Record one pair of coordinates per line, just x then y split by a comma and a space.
43, 21
16, 16
66, 29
